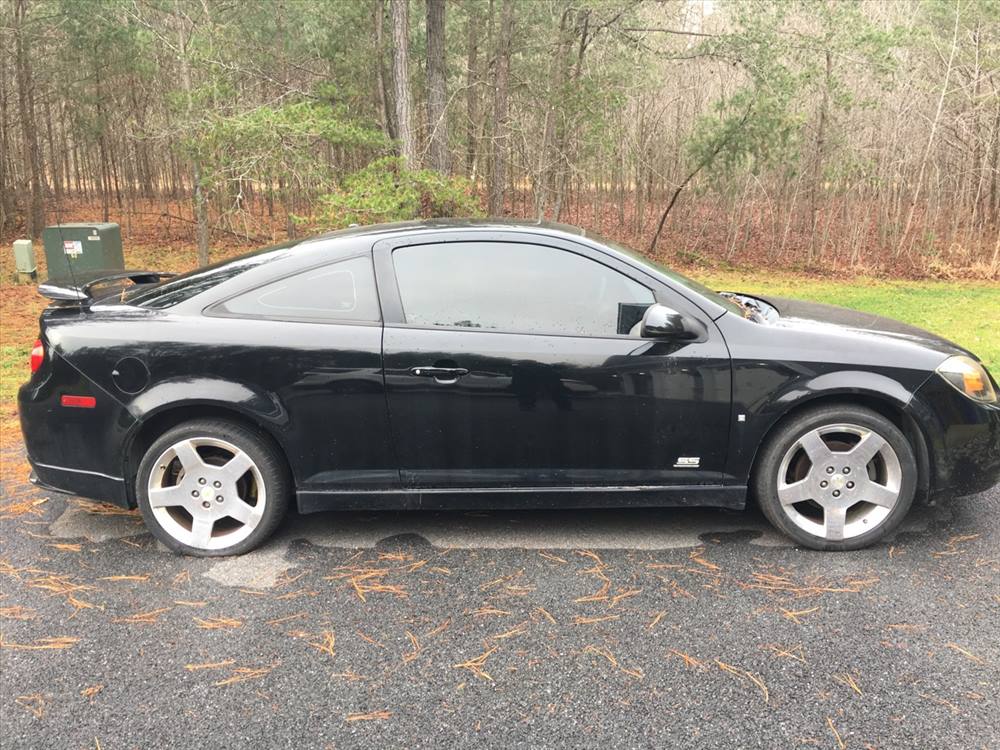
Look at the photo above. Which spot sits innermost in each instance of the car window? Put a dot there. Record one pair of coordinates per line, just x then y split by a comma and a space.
341, 291
516, 287
184, 287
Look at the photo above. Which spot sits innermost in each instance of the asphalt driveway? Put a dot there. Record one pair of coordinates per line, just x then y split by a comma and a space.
570, 628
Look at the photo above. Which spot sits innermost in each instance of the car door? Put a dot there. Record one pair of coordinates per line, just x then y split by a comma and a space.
511, 361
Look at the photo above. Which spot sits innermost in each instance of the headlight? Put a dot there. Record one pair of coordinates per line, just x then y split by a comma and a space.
969, 377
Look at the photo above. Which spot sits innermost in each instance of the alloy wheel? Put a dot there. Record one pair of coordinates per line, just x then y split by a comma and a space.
206, 493
839, 481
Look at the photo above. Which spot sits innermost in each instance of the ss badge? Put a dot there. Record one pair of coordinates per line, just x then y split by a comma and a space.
687, 462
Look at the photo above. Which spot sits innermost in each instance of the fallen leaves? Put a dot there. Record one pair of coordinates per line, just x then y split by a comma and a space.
209, 665
745, 675
366, 581
610, 658
809, 586
242, 674
41, 644
90, 692
22, 508
17, 612
144, 618
796, 616
104, 509
580, 620
848, 680
836, 735
372, 716
965, 652
476, 664
35, 703
217, 623
326, 644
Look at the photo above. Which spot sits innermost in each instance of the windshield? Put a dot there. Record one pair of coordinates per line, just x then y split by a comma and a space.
184, 287
684, 281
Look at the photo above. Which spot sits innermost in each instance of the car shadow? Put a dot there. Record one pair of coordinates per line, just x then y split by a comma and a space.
617, 528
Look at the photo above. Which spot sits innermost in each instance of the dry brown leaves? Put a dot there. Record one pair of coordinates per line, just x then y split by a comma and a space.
951, 547
796, 616
849, 680
965, 652
372, 716
54, 643
809, 586
476, 664
326, 644
104, 509
217, 623
35, 703
241, 674
209, 665
836, 735
610, 658
144, 618
17, 612
366, 581
22, 508
745, 675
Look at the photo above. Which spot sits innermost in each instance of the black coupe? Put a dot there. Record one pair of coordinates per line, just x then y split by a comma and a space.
489, 364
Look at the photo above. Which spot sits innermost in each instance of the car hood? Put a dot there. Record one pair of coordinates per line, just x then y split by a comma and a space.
801, 314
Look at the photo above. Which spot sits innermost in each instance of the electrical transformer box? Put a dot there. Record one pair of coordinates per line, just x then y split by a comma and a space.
82, 247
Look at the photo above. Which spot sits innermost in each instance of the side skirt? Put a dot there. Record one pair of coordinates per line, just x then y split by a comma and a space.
525, 498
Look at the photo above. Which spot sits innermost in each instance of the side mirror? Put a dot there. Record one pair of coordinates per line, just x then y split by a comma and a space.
661, 322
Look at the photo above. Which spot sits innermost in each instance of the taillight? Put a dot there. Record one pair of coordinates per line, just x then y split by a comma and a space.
37, 355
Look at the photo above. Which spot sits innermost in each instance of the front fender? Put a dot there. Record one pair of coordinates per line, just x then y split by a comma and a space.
760, 403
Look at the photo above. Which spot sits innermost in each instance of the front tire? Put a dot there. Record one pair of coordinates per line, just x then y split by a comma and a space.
836, 477
212, 487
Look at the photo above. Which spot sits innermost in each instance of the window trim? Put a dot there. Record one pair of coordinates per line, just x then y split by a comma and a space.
214, 309
384, 251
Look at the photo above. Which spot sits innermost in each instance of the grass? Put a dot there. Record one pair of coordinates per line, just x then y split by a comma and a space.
965, 312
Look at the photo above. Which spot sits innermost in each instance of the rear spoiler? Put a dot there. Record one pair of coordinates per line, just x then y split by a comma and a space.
88, 286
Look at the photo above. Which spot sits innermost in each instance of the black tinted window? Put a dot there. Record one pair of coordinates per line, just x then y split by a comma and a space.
186, 286
516, 287
341, 291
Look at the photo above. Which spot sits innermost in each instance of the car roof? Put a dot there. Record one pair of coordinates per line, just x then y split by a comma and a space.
436, 225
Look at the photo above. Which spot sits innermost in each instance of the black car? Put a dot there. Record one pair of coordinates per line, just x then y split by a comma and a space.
489, 364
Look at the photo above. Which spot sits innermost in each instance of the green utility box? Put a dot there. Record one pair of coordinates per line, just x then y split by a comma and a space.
82, 247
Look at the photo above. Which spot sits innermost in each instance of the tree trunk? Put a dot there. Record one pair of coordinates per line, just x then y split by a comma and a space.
437, 87
471, 98
400, 11
499, 143
385, 110
200, 202
35, 214
817, 165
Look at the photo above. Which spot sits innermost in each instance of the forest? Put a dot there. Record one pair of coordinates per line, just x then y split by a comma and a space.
817, 135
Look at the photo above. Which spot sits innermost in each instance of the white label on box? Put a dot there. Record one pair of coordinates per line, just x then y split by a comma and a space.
73, 247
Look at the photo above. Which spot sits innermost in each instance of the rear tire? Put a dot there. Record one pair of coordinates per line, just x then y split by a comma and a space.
836, 477
211, 487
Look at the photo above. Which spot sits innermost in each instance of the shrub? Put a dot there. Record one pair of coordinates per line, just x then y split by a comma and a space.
386, 190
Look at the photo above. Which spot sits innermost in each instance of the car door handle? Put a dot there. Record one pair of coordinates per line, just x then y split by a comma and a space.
441, 374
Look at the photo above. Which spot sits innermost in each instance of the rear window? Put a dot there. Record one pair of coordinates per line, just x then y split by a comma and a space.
342, 291
182, 288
